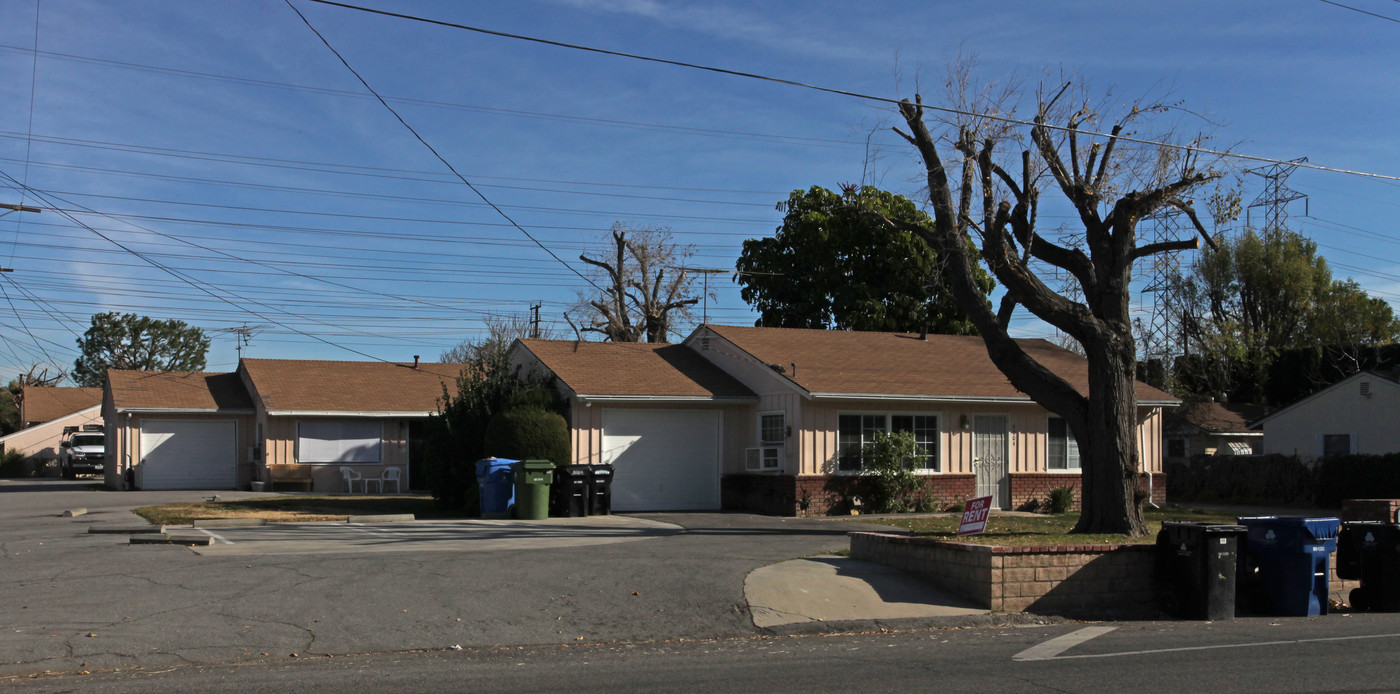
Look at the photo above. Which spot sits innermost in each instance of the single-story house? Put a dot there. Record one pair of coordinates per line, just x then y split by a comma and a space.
272, 422
1357, 414
44, 412
1208, 427
775, 420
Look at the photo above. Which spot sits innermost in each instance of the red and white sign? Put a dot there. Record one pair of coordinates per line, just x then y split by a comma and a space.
974, 517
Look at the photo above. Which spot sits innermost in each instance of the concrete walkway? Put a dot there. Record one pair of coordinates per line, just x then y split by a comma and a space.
832, 589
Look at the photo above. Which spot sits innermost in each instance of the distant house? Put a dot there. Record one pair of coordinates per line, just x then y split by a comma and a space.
1211, 428
777, 420
271, 420
45, 411
1355, 415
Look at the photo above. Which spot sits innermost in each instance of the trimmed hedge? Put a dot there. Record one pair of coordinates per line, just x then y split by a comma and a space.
1357, 477
529, 433
1257, 479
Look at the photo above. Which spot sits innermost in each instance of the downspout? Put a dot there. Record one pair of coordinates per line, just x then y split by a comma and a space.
127, 478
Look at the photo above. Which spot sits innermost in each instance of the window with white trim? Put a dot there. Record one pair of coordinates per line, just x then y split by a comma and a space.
1062, 449
338, 441
772, 434
771, 431
1336, 444
855, 432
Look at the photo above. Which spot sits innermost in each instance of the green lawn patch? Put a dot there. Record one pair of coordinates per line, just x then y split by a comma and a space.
1050, 529
297, 509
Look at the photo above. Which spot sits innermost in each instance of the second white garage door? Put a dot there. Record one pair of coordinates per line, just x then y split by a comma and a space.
188, 454
667, 460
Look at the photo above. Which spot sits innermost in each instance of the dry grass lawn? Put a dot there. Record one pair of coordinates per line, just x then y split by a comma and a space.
295, 509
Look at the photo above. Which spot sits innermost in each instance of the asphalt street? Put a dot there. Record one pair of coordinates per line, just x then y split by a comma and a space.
74, 601
1325, 654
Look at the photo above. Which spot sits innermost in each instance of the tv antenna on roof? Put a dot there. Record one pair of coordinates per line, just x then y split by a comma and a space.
242, 335
705, 272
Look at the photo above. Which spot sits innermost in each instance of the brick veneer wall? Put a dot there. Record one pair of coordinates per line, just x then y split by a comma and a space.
821, 495
1382, 510
1075, 580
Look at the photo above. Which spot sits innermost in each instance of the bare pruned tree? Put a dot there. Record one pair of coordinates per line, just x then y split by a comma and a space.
1111, 183
646, 292
501, 331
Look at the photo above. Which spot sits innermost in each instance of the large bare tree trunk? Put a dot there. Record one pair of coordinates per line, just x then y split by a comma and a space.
1104, 420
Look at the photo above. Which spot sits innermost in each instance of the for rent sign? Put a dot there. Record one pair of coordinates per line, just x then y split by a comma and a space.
974, 517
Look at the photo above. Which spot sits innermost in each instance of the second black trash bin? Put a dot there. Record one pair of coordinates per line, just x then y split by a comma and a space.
1370, 551
572, 490
1198, 561
600, 497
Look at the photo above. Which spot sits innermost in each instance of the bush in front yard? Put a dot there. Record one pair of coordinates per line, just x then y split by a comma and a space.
1061, 499
15, 464
529, 433
889, 461
1258, 479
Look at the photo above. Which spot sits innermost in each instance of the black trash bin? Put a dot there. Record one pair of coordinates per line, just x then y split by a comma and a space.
572, 490
1370, 551
600, 500
1198, 562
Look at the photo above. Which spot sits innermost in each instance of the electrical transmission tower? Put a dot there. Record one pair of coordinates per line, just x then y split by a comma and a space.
1162, 332
1276, 194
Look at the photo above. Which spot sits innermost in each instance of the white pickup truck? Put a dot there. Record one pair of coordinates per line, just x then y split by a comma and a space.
82, 452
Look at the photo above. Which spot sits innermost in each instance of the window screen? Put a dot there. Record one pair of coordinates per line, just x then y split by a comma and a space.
1063, 449
338, 441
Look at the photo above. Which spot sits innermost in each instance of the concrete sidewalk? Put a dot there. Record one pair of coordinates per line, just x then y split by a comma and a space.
831, 588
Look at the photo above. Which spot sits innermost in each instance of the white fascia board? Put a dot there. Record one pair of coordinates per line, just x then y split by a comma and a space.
178, 410
1238, 433
971, 399
349, 413
666, 398
52, 422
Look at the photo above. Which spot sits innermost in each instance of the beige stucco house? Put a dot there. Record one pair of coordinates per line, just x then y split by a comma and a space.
45, 412
775, 420
273, 423
1355, 415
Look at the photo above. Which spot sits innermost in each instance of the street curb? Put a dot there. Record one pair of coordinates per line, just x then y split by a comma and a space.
911, 623
124, 529
230, 523
172, 539
384, 518
74, 512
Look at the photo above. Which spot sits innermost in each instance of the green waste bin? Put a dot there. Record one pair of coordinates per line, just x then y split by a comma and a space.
532, 480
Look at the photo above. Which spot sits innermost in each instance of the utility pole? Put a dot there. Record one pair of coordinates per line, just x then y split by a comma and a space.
17, 208
705, 272
535, 321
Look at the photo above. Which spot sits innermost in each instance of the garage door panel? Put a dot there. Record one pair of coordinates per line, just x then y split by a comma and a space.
192, 454
665, 459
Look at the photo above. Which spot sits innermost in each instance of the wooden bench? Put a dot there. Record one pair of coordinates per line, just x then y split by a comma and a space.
286, 475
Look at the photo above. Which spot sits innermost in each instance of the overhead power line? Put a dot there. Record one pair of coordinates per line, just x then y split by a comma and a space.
839, 92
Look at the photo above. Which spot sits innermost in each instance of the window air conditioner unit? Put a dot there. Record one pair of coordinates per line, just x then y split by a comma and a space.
763, 458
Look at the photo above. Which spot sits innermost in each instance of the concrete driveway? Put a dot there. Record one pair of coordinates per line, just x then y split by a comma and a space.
70, 600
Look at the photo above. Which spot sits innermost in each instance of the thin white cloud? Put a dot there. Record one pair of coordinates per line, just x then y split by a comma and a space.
726, 23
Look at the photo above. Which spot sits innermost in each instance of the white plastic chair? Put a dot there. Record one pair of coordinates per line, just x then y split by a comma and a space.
351, 476
390, 474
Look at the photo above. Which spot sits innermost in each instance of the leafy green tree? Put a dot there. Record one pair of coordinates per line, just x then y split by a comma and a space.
1260, 294
890, 463
832, 266
129, 341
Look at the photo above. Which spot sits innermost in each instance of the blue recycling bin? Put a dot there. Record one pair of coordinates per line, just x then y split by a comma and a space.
493, 476
1289, 563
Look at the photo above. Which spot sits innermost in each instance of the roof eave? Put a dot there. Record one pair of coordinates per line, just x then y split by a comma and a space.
365, 414
178, 410
971, 399
668, 398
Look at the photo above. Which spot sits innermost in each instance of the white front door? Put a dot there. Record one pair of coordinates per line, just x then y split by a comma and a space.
989, 459
665, 460
189, 454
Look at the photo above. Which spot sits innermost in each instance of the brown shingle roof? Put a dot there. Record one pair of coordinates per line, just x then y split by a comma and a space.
45, 404
349, 386
1218, 418
153, 390
620, 368
849, 362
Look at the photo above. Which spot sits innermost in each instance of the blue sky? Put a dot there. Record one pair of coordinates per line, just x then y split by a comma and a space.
224, 142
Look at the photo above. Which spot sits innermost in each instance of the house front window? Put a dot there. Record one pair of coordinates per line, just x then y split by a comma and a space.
855, 433
1061, 447
338, 441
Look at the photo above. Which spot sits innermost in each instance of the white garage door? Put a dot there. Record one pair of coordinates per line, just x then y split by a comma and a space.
188, 454
667, 460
